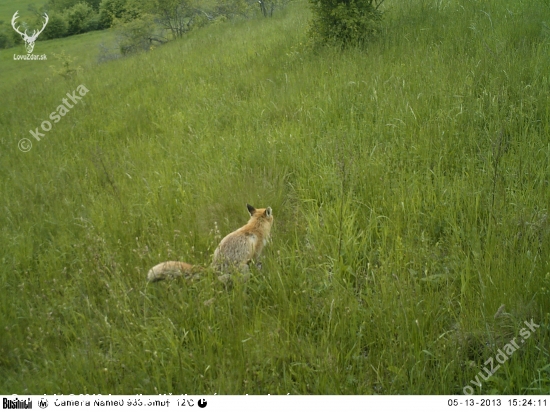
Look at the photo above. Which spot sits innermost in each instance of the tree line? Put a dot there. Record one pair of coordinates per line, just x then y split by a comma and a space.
141, 21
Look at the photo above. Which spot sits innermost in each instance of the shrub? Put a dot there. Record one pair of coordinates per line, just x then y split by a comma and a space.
7, 36
199, 21
57, 26
14, 38
112, 10
5, 41
66, 69
232, 8
137, 35
344, 22
78, 17
92, 23
62, 5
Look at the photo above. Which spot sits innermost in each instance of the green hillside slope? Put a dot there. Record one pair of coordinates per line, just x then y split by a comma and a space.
409, 186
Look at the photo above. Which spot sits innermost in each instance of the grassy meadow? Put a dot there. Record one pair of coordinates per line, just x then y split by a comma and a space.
9, 7
409, 184
80, 51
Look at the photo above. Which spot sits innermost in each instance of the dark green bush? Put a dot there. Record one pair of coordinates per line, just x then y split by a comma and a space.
5, 40
7, 36
137, 35
111, 11
78, 17
62, 5
92, 23
345, 22
57, 26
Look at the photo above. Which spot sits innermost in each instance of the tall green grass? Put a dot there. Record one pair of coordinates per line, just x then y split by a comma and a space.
409, 184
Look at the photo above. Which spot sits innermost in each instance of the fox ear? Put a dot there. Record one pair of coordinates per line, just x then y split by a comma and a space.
268, 212
251, 209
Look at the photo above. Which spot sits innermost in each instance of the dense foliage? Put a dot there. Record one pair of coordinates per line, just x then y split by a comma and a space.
140, 23
345, 22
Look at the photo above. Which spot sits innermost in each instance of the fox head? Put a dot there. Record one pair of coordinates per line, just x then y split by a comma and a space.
263, 217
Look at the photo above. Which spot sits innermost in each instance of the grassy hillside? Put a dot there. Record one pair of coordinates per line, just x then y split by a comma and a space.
410, 189
85, 50
9, 7
81, 52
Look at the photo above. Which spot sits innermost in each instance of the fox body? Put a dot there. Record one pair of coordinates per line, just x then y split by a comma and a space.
234, 253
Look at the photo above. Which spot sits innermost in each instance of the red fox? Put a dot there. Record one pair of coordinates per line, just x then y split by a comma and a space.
234, 252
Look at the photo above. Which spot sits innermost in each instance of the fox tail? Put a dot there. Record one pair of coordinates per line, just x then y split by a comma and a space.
171, 269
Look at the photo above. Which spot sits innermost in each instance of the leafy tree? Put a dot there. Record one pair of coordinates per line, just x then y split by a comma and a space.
232, 8
175, 15
57, 26
138, 35
111, 11
66, 69
79, 17
63, 5
94, 3
12, 37
267, 6
345, 21
6, 40
92, 23
180, 16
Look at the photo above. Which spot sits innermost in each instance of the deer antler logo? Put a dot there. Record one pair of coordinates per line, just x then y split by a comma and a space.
29, 40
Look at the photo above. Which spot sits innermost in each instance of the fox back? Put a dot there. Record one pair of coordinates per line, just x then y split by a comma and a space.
238, 248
